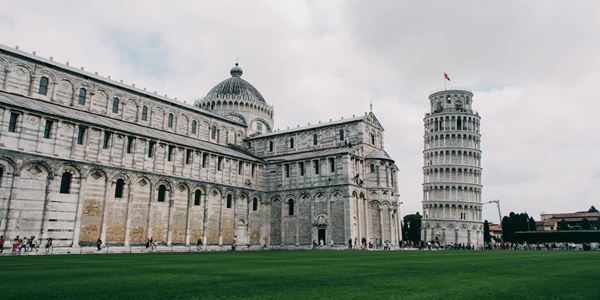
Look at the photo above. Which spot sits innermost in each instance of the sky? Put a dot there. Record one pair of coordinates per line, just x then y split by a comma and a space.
533, 66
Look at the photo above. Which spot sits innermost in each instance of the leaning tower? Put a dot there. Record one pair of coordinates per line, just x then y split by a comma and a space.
452, 170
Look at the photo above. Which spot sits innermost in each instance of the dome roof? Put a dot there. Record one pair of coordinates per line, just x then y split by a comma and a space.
235, 88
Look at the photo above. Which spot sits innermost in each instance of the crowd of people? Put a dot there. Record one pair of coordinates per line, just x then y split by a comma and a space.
23, 245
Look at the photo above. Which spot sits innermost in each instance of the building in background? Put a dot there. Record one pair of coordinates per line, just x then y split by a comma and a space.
550, 221
452, 170
84, 157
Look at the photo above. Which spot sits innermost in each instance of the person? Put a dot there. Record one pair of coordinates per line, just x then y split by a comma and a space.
151, 243
1, 244
315, 244
233, 243
23, 245
48, 244
331, 244
33, 243
99, 244
350, 243
147, 243
321, 243
199, 244
15, 245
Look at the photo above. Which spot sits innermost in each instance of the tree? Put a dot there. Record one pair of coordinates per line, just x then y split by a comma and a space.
592, 209
412, 227
531, 224
585, 224
487, 237
507, 229
563, 225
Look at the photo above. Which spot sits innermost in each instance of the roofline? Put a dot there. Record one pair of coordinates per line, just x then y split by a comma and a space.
125, 132
308, 127
110, 82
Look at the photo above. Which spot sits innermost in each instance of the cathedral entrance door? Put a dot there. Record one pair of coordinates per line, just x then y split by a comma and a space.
241, 233
321, 235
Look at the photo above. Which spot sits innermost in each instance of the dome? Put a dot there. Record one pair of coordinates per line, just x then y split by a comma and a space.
235, 88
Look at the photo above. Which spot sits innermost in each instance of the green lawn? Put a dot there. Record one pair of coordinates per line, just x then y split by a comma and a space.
304, 274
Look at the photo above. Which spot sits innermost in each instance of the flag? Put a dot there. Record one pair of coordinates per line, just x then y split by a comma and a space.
446, 76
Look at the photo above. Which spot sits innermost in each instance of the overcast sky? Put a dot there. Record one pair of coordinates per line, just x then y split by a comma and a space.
534, 69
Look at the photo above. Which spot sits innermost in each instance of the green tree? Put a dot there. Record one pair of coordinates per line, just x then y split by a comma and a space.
563, 225
507, 229
585, 224
531, 224
487, 237
592, 209
412, 226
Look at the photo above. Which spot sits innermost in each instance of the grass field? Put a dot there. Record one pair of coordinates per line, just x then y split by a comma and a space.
304, 274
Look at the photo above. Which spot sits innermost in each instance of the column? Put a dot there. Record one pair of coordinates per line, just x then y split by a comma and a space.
77, 228
169, 217
282, 232
187, 216
381, 222
105, 211
128, 220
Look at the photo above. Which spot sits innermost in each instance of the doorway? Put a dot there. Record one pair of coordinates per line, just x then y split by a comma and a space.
321, 236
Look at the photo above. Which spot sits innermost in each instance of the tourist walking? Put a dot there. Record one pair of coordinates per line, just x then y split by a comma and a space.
48, 245
350, 243
1, 244
99, 244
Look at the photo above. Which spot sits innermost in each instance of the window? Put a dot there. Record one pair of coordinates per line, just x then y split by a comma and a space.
48, 129
65, 183
315, 139
290, 207
291, 143
240, 165
106, 143
151, 148
194, 127
145, 113
188, 156
372, 168
12, 125
204, 160
341, 134
119, 188
129, 144
301, 167
220, 164
213, 132
170, 121
332, 164
162, 192
287, 170
81, 135
229, 200
270, 146
253, 170
372, 139
197, 197
82, 95
43, 90
115, 106
316, 165
170, 153
254, 204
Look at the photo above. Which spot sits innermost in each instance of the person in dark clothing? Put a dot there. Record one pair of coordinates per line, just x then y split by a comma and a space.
99, 244
349, 243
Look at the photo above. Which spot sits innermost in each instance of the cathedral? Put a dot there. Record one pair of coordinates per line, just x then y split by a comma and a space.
84, 157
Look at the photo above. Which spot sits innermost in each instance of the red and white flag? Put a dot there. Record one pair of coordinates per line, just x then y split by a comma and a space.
446, 77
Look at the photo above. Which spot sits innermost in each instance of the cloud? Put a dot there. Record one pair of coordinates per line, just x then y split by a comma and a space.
533, 69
